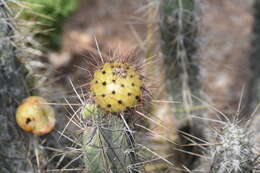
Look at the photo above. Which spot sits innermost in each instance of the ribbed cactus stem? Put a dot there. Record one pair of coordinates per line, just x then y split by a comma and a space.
178, 32
12, 90
7, 49
234, 153
108, 145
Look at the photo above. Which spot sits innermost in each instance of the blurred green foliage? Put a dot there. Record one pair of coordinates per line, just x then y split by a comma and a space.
51, 14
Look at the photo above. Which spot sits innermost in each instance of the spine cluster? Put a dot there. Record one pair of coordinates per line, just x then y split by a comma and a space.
234, 151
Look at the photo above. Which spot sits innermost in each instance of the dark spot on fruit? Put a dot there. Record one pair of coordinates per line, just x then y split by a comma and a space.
119, 102
127, 67
104, 83
137, 97
103, 95
96, 81
104, 72
112, 66
133, 84
129, 94
114, 80
113, 92
28, 120
131, 76
109, 105
122, 85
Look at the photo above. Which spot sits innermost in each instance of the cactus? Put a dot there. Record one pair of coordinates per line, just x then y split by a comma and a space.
234, 153
114, 98
177, 24
108, 145
50, 16
13, 145
227, 88
117, 89
21, 152
178, 30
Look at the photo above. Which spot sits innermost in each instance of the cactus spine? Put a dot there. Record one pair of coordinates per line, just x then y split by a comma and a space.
13, 89
108, 145
234, 152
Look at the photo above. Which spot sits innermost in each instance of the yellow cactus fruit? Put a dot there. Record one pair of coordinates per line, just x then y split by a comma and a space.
116, 87
35, 116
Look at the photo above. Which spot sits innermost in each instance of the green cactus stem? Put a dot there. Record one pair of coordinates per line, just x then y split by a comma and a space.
108, 145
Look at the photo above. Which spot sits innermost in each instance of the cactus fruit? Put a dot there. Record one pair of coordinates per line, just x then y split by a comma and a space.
34, 116
116, 87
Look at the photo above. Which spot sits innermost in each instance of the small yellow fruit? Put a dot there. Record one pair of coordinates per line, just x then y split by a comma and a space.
35, 116
116, 86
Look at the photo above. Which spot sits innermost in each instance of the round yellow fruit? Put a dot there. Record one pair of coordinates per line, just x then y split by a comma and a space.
35, 116
116, 87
